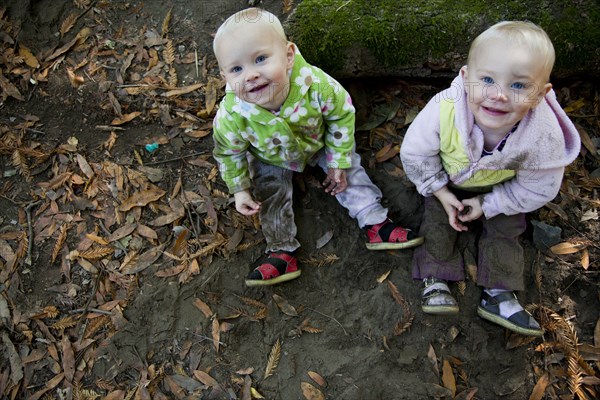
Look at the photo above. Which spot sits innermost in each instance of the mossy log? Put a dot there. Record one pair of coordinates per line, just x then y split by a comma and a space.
352, 38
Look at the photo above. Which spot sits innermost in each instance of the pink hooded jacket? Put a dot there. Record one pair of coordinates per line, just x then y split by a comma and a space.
538, 150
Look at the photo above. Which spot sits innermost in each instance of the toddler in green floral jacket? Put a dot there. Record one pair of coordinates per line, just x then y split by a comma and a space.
279, 114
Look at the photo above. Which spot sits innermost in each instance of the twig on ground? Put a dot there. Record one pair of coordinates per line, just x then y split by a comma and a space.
11, 200
211, 339
28, 209
85, 310
330, 317
175, 159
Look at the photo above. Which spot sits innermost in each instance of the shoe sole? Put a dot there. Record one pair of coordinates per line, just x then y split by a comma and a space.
395, 246
497, 319
268, 282
440, 309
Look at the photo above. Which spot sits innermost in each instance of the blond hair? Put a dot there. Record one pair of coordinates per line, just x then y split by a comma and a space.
520, 33
252, 17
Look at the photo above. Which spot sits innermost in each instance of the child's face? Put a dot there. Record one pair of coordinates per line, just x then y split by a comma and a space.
255, 62
503, 82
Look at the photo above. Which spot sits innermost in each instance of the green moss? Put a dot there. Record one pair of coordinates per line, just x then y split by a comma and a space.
410, 33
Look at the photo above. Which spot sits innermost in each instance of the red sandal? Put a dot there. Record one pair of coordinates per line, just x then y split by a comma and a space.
389, 236
280, 266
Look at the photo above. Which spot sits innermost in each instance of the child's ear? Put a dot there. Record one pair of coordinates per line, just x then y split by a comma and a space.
290, 54
542, 93
464, 73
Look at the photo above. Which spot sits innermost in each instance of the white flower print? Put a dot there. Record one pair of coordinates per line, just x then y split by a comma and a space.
305, 78
335, 85
233, 139
245, 109
295, 113
338, 134
327, 106
348, 106
250, 136
276, 140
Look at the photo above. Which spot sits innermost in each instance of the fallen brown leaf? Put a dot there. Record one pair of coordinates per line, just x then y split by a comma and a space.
205, 378
202, 306
216, 333
284, 306
540, 387
317, 378
448, 377
125, 118
310, 392
142, 198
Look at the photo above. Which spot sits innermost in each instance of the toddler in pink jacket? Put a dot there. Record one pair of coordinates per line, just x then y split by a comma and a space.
491, 148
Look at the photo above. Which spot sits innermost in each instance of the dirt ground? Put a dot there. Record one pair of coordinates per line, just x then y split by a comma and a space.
165, 314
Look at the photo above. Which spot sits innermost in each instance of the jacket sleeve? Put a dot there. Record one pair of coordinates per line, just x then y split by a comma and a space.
230, 152
338, 115
529, 190
420, 151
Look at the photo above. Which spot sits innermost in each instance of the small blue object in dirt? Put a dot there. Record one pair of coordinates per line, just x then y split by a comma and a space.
544, 235
150, 147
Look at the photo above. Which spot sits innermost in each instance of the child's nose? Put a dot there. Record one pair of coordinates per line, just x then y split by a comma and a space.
252, 74
496, 94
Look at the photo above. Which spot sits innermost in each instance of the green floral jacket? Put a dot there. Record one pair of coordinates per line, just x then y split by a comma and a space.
317, 113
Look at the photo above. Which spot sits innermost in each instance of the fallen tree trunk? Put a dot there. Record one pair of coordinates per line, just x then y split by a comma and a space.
361, 38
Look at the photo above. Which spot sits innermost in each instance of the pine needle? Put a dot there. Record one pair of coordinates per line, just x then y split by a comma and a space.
81, 4
538, 273
173, 77
402, 327
68, 24
95, 324
169, 53
20, 162
326, 259
96, 253
65, 323
130, 259
273, 359
287, 6
569, 343
51, 311
252, 302
60, 241
166, 22
246, 246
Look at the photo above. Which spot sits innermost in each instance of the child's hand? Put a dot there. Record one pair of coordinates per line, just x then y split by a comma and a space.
452, 206
472, 210
245, 204
336, 181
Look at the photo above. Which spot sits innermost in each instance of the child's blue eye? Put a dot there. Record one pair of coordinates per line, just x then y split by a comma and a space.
260, 59
487, 80
518, 85
235, 70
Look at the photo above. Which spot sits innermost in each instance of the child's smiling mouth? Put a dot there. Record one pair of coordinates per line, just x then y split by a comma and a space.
494, 111
258, 88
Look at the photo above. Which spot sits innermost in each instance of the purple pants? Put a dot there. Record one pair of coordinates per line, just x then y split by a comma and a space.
272, 186
500, 261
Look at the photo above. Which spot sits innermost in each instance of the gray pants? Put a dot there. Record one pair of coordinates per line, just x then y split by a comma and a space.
500, 262
272, 186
